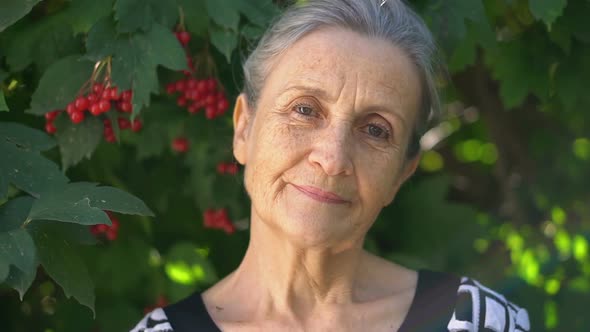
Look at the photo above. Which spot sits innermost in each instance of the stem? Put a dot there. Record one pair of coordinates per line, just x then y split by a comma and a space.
181, 19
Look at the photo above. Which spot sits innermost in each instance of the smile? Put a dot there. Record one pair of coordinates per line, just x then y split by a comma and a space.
320, 195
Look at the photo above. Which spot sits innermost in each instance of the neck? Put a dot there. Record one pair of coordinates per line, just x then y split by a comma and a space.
286, 279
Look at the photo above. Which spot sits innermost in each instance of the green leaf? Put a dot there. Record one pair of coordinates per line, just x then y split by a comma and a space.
547, 10
28, 170
82, 14
83, 203
567, 81
196, 19
251, 31
113, 264
522, 67
447, 20
55, 44
464, 54
64, 265
3, 106
77, 141
259, 12
224, 12
4, 270
133, 15
25, 137
164, 49
13, 10
225, 41
102, 40
14, 213
20, 280
60, 84
137, 57
17, 248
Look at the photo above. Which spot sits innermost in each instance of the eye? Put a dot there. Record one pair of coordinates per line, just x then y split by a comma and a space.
377, 131
304, 110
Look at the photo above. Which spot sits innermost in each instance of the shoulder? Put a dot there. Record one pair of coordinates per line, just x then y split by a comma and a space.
154, 321
479, 308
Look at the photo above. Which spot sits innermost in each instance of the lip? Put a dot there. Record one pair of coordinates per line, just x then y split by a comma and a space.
320, 195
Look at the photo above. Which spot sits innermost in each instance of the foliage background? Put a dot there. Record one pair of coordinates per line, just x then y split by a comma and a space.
501, 195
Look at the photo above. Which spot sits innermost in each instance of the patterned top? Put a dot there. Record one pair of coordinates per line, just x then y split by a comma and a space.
474, 308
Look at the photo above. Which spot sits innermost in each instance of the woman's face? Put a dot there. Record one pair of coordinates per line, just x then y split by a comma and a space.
325, 148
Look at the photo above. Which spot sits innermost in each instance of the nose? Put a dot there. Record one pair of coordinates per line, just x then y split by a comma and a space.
332, 151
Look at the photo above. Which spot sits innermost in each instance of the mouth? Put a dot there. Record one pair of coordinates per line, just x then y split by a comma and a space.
320, 195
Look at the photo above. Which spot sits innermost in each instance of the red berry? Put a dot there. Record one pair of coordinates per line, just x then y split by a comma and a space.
210, 112
126, 107
181, 101
108, 131
107, 122
127, 95
193, 108
114, 93
211, 84
191, 83
115, 223
110, 138
97, 88
50, 116
104, 105
222, 105
170, 88
210, 99
92, 97
229, 228
94, 230
184, 37
221, 168
180, 85
124, 123
81, 103
95, 109
202, 86
77, 117
180, 144
71, 108
101, 228
231, 168
50, 128
136, 125
111, 234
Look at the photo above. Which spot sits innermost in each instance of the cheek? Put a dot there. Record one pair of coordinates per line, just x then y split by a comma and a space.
380, 179
273, 149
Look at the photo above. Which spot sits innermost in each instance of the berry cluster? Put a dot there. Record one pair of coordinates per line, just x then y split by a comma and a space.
99, 100
161, 302
196, 95
180, 144
109, 232
218, 219
227, 168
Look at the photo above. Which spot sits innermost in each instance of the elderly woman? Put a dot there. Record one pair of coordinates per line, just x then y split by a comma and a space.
337, 94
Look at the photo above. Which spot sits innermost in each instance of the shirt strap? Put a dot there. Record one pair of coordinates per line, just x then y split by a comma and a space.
190, 315
433, 304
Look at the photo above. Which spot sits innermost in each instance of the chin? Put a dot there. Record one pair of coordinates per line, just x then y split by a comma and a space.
313, 225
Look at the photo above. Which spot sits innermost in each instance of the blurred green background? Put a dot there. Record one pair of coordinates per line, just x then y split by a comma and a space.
501, 194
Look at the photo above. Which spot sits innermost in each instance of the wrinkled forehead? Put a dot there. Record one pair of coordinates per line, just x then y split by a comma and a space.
335, 61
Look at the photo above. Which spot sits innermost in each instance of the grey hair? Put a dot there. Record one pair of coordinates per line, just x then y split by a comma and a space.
391, 20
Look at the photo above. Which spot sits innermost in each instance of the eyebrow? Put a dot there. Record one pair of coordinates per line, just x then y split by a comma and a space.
323, 94
317, 91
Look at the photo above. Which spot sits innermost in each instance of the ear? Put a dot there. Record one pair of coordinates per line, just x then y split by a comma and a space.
408, 169
241, 120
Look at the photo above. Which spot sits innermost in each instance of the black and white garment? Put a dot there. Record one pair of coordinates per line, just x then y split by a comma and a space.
442, 303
